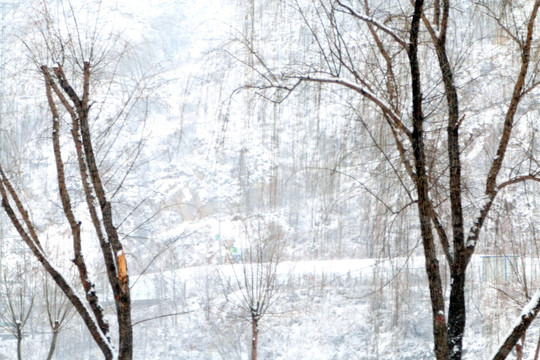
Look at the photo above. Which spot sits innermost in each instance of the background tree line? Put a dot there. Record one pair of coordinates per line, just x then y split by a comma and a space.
388, 131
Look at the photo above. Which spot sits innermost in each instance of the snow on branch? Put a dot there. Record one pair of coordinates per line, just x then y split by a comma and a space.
375, 23
474, 232
29, 236
528, 314
486, 205
385, 108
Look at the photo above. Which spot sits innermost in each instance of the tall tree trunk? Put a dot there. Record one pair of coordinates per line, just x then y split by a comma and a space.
440, 334
94, 190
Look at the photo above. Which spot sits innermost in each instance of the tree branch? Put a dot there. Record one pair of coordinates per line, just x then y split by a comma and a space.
528, 314
385, 108
375, 23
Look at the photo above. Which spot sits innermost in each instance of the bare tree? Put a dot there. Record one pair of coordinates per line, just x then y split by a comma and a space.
254, 278
18, 295
59, 312
82, 58
391, 74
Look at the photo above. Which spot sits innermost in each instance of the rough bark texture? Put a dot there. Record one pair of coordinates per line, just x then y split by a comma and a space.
57, 86
424, 207
458, 245
79, 110
8, 194
75, 226
457, 261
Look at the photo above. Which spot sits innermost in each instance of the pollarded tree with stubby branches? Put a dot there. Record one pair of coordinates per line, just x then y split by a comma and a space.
253, 275
59, 312
18, 291
73, 60
412, 66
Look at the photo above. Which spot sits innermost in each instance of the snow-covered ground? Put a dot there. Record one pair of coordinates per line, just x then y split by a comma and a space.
336, 309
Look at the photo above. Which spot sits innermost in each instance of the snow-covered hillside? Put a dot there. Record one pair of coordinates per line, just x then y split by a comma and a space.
208, 176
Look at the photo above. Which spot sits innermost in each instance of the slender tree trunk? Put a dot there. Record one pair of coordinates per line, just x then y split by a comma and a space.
458, 263
440, 333
254, 337
53, 345
53, 340
19, 342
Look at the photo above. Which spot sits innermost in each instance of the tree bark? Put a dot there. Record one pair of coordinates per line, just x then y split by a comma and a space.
6, 188
254, 337
458, 261
78, 110
457, 312
424, 206
75, 226
19, 342
112, 249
